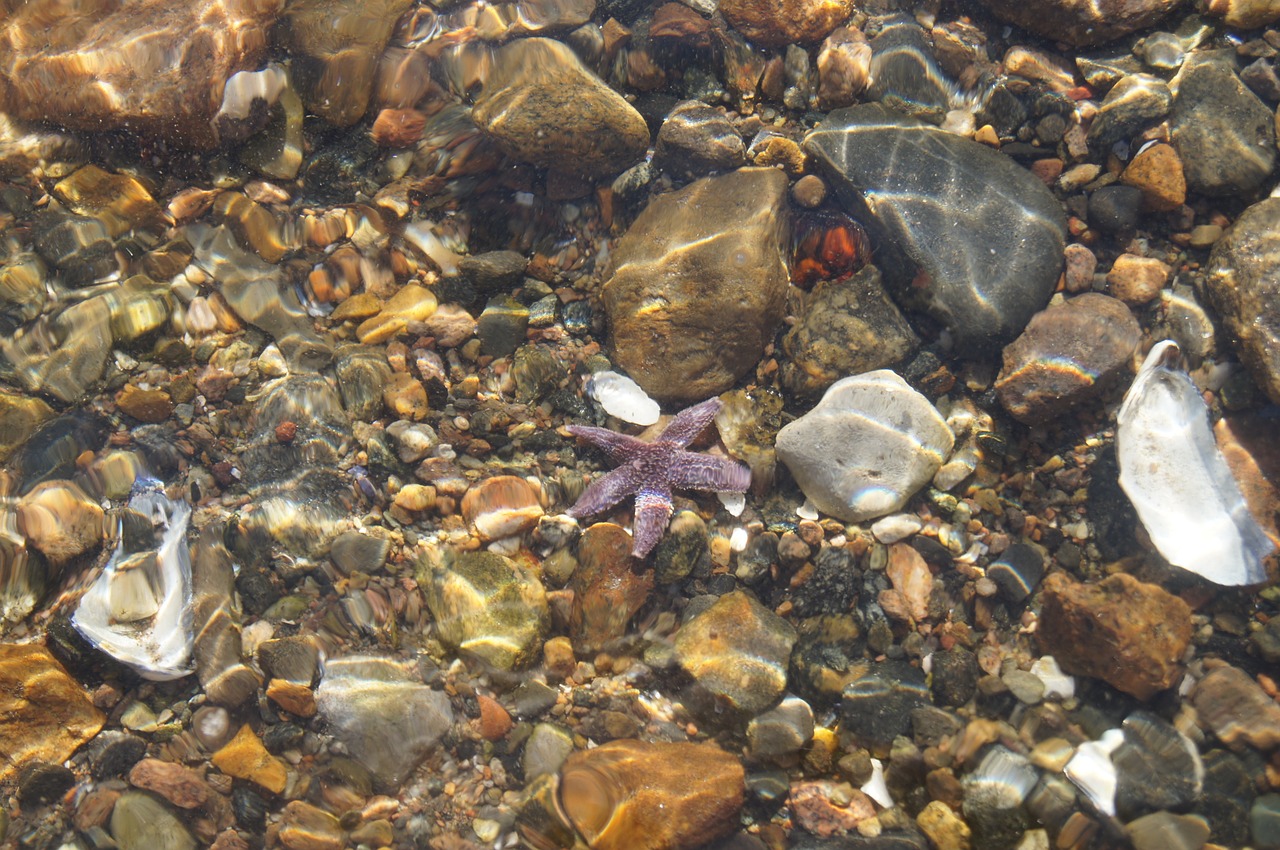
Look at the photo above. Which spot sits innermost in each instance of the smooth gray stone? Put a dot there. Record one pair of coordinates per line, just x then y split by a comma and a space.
985, 233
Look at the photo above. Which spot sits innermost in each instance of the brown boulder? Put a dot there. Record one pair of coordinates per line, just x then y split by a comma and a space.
773, 23
698, 284
1130, 634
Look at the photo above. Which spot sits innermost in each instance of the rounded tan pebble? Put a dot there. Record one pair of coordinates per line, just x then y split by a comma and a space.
360, 306
987, 135
405, 396
1157, 171
416, 497
501, 507
1205, 235
1136, 280
558, 656
809, 191
144, 405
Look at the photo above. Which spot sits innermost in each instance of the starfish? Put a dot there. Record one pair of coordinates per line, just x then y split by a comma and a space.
650, 471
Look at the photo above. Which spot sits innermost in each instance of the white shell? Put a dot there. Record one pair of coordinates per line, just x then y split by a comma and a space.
1092, 771
139, 610
876, 788
1173, 473
867, 447
622, 397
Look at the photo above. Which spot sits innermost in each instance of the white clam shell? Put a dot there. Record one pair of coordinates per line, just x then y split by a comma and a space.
138, 610
867, 447
622, 397
1173, 473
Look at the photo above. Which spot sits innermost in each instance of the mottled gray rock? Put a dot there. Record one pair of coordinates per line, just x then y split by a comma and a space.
904, 74
698, 284
1243, 284
867, 447
986, 234
781, 732
1225, 136
696, 140
1132, 104
1068, 354
846, 327
387, 718
544, 107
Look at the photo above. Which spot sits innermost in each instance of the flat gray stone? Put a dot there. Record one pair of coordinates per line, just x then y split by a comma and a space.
985, 236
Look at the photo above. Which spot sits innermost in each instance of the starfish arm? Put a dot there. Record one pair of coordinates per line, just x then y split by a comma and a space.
619, 447
604, 493
691, 422
691, 471
653, 512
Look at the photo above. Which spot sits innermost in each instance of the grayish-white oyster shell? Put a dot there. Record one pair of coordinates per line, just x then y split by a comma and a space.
138, 610
1173, 473
867, 447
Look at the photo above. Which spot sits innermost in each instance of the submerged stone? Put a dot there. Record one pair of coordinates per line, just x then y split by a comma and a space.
982, 236
698, 284
47, 713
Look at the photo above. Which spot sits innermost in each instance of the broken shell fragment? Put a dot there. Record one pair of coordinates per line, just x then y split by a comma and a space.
1172, 471
139, 610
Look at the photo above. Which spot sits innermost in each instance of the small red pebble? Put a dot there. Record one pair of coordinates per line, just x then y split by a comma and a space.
495, 722
286, 431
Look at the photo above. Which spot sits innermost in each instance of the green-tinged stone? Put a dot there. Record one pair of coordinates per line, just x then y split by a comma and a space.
141, 822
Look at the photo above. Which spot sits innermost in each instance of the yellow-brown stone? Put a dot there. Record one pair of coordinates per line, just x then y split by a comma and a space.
293, 697
244, 757
413, 303
144, 405
60, 520
20, 416
772, 23
117, 200
46, 714
1157, 171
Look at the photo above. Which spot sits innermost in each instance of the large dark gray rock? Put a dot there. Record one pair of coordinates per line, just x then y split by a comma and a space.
1224, 134
984, 234
1244, 285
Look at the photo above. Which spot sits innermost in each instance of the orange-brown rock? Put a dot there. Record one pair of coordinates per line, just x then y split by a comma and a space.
772, 23
46, 714
293, 697
1157, 171
633, 795
144, 405
607, 590
1130, 634
398, 128
501, 506
156, 67
495, 722
244, 757
180, 785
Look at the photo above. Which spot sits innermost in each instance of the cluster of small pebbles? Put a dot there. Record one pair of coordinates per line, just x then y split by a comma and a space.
298, 301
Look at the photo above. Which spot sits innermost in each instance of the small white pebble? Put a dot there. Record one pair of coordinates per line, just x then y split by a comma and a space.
896, 527
1092, 771
1056, 683
876, 788
738, 539
733, 502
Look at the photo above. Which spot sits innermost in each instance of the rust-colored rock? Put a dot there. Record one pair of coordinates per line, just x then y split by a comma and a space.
607, 589
180, 785
46, 714
1130, 634
495, 722
398, 128
633, 795
1157, 171
156, 67
772, 23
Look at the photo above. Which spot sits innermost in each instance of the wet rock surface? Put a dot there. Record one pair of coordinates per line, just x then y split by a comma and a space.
1130, 634
680, 282
1079, 22
1224, 134
920, 187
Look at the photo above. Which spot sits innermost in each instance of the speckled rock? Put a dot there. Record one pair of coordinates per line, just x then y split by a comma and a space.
1130, 634
172, 93
47, 715
1082, 22
607, 590
1137, 280
1243, 283
737, 652
1068, 354
986, 234
698, 284
867, 447
846, 327
1234, 707
696, 140
544, 107
1224, 134
486, 606
1157, 171
771, 23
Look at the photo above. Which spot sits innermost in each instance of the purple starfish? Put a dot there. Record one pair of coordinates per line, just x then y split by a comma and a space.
650, 471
